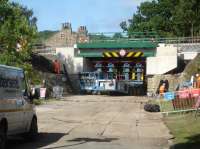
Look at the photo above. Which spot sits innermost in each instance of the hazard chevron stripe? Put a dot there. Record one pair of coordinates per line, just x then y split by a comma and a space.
107, 54
137, 54
128, 54
115, 54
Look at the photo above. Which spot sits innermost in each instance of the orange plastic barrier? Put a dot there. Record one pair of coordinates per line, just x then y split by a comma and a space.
188, 93
183, 94
195, 92
186, 99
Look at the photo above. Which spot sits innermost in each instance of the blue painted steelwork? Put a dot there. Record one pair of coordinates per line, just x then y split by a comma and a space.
114, 79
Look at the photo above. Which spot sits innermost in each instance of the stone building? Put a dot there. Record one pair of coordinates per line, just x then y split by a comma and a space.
67, 38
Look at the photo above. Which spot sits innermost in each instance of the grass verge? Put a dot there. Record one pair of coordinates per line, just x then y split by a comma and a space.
186, 130
165, 106
43, 101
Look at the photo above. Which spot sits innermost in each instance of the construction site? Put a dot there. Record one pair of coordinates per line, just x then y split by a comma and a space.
97, 63
104, 79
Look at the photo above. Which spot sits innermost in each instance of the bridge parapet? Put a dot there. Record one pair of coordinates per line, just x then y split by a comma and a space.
139, 36
45, 51
188, 47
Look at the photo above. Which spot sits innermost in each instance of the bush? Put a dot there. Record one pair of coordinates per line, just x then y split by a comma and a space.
37, 102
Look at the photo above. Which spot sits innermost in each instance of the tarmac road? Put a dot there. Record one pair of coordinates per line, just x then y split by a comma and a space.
97, 122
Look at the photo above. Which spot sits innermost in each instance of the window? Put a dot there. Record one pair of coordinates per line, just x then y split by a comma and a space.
62, 36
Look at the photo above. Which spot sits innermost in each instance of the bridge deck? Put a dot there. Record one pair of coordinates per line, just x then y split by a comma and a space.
118, 44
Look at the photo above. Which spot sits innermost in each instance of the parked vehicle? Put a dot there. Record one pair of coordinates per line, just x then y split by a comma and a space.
17, 112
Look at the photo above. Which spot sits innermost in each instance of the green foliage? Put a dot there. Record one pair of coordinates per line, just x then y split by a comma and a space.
165, 106
38, 102
123, 25
167, 17
98, 37
117, 35
17, 32
44, 35
192, 68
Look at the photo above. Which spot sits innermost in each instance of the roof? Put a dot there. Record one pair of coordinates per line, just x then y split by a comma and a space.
118, 44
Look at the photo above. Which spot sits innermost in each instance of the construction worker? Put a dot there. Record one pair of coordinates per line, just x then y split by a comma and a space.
56, 66
162, 89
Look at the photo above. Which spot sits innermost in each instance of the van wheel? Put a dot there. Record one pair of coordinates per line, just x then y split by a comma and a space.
33, 131
3, 136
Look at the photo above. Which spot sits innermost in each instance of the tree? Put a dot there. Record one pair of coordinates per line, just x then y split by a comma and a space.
187, 18
17, 32
167, 17
99, 36
123, 25
117, 36
44, 35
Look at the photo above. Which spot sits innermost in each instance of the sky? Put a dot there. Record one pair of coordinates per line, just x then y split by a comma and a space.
97, 15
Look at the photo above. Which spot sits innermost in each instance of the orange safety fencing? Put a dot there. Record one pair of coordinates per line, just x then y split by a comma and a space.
185, 99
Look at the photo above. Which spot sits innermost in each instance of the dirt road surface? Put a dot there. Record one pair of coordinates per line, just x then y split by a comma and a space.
97, 122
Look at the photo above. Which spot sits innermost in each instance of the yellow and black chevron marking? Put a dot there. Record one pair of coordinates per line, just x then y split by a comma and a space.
115, 54
138, 54
128, 54
107, 54
111, 54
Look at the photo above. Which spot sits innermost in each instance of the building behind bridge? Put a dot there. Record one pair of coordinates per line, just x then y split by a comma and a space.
67, 37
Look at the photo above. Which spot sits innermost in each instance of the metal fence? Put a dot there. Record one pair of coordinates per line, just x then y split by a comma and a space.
45, 51
183, 100
57, 92
141, 36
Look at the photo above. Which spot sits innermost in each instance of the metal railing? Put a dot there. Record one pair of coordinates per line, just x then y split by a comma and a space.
184, 100
45, 51
140, 36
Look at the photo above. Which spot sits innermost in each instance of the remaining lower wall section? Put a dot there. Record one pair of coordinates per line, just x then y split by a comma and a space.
153, 81
66, 55
75, 82
164, 61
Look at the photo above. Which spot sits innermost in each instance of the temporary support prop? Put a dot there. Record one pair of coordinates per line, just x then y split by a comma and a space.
139, 72
126, 70
110, 70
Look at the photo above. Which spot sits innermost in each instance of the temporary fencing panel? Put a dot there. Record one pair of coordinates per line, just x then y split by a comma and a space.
186, 99
169, 96
195, 93
182, 100
57, 92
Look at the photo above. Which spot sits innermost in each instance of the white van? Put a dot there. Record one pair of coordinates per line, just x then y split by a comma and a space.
17, 113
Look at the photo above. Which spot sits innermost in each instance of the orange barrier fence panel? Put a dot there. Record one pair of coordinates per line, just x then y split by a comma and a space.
186, 99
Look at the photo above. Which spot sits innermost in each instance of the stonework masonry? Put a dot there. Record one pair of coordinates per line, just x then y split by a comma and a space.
174, 80
67, 38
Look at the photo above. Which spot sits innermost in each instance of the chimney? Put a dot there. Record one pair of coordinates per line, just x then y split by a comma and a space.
82, 30
67, 26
